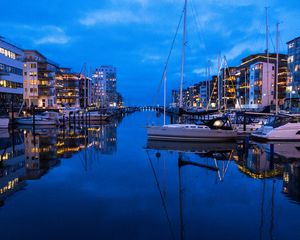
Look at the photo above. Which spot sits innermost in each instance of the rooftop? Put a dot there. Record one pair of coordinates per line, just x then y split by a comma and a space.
297, 38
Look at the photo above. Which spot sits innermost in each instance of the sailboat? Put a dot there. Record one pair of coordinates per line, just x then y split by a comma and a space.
215, 130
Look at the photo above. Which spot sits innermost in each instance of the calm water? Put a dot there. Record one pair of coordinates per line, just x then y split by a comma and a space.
107, 182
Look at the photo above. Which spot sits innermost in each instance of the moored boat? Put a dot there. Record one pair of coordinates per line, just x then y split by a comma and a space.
46, 118
278, 128
4, 122
212, 130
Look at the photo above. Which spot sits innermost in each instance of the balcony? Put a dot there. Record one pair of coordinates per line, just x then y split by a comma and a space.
46, 90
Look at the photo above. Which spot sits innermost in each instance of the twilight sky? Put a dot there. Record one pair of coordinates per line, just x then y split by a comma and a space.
136, 35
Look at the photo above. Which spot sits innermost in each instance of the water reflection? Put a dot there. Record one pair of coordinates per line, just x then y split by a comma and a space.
273, 160
270, 164
120, 190
28, 154
12, 164
278, 160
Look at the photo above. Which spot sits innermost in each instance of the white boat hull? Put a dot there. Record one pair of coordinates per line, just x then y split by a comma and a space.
4, 122
288, 132
181, 134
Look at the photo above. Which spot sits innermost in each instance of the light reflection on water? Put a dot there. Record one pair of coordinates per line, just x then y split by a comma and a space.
108, 182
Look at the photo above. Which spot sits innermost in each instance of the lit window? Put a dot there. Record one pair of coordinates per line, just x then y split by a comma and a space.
290, 59
291, 45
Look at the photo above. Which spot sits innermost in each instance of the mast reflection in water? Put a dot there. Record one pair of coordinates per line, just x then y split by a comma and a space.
107, 182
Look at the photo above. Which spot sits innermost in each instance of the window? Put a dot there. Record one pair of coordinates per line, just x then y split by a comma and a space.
10, 84
7, 53
32, 74
290, 59
291, 45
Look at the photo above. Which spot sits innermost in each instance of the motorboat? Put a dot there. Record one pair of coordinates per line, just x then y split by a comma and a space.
4, 121
45, 118
279, 127
212, 130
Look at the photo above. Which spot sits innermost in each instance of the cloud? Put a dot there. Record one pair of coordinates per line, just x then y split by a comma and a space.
241, 48
52, 35
39, 34
200, 71
152, 58
113, 17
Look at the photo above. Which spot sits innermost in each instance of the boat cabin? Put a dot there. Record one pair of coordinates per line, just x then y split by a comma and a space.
280, 120
223, 123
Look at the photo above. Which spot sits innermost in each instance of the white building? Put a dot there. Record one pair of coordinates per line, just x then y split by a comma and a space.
105, 79
261, 84
255, 82
39, 80
11, 74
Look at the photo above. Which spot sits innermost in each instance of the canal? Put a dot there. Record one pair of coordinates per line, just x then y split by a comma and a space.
108, 182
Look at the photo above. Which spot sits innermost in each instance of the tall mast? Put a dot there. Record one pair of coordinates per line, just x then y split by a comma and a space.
183, 50
165, 93
277, 66
84, 91
267, 53
218, 80
209, 93
206, 83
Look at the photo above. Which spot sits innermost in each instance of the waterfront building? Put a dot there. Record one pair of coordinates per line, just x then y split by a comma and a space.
11, 74
175, 98
255, 82
67, 88
227, 87
212, 89
203, 94
105, 79
198, 95
39, 80
120, 100
293, 85
86, 91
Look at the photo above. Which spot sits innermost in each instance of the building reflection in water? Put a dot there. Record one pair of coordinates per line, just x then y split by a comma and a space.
273, 160
28, 154
291, 181
12, 164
